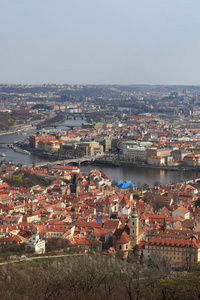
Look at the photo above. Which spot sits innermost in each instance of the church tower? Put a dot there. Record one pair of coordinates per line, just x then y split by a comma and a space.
134, 227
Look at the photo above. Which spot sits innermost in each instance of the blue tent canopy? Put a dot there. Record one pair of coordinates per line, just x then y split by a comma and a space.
125, 184
97, 219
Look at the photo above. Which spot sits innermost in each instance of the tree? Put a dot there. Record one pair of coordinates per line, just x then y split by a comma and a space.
114, 182
157, 268
130, 189
145, 186
17, 178
34, 163
156, 183
154, 199
139, 185
130, 275
197, 203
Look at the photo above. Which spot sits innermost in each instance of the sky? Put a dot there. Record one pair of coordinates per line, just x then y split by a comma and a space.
100, 41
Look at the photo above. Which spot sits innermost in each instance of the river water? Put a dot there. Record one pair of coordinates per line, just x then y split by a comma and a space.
142, 175
134, 174
16, 157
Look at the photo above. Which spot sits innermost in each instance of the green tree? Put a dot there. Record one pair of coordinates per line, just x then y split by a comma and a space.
197, 203
17, 178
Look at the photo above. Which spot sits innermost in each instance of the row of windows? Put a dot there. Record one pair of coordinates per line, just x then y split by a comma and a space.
54, 233
120, 246
168, 248
175, 251
166, 252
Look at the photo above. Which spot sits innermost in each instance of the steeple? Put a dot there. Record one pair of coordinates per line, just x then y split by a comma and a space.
134, 226
134, 215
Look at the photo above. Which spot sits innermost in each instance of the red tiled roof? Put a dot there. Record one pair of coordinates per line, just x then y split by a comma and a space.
123, 239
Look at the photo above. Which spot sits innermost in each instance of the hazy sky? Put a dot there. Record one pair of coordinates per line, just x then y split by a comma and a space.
100, 41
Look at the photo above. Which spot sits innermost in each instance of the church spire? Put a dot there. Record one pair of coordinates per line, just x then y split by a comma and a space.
134, 214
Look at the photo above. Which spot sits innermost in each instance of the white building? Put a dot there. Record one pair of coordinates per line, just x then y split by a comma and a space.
124, 211
181, 212
35, 244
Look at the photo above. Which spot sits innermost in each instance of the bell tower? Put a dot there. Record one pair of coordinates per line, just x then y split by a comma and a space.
134, 226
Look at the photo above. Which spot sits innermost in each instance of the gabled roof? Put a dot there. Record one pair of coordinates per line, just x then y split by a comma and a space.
124, 201
123, 239
183, 209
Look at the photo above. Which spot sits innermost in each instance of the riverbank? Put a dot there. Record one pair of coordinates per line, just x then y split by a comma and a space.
100, 162
49, 155
8, 132
18, 128
55, 120
144, 166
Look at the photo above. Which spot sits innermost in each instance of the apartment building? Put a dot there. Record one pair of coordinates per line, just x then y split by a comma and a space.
137, 154
153, 151
178, 251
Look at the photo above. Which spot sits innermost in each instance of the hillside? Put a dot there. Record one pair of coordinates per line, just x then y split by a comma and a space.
95, 277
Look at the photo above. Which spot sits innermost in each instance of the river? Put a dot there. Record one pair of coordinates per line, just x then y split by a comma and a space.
133, 174
16, 157
143, 175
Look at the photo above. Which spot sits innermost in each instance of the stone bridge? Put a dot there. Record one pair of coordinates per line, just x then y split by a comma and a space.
192, 181
63, 162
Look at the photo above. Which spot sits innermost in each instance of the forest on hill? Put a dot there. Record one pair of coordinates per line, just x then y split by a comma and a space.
8, 119
96, 277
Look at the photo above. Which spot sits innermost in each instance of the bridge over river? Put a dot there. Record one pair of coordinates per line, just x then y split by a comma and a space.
190, 181
63, 162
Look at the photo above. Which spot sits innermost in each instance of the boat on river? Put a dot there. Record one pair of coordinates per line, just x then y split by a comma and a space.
24, 132
17, 149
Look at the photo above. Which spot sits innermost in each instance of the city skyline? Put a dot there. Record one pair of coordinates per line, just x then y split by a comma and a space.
100, 42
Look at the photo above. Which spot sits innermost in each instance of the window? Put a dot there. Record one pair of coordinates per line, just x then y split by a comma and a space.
133, 223
120, 246
133, 231
126, 246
